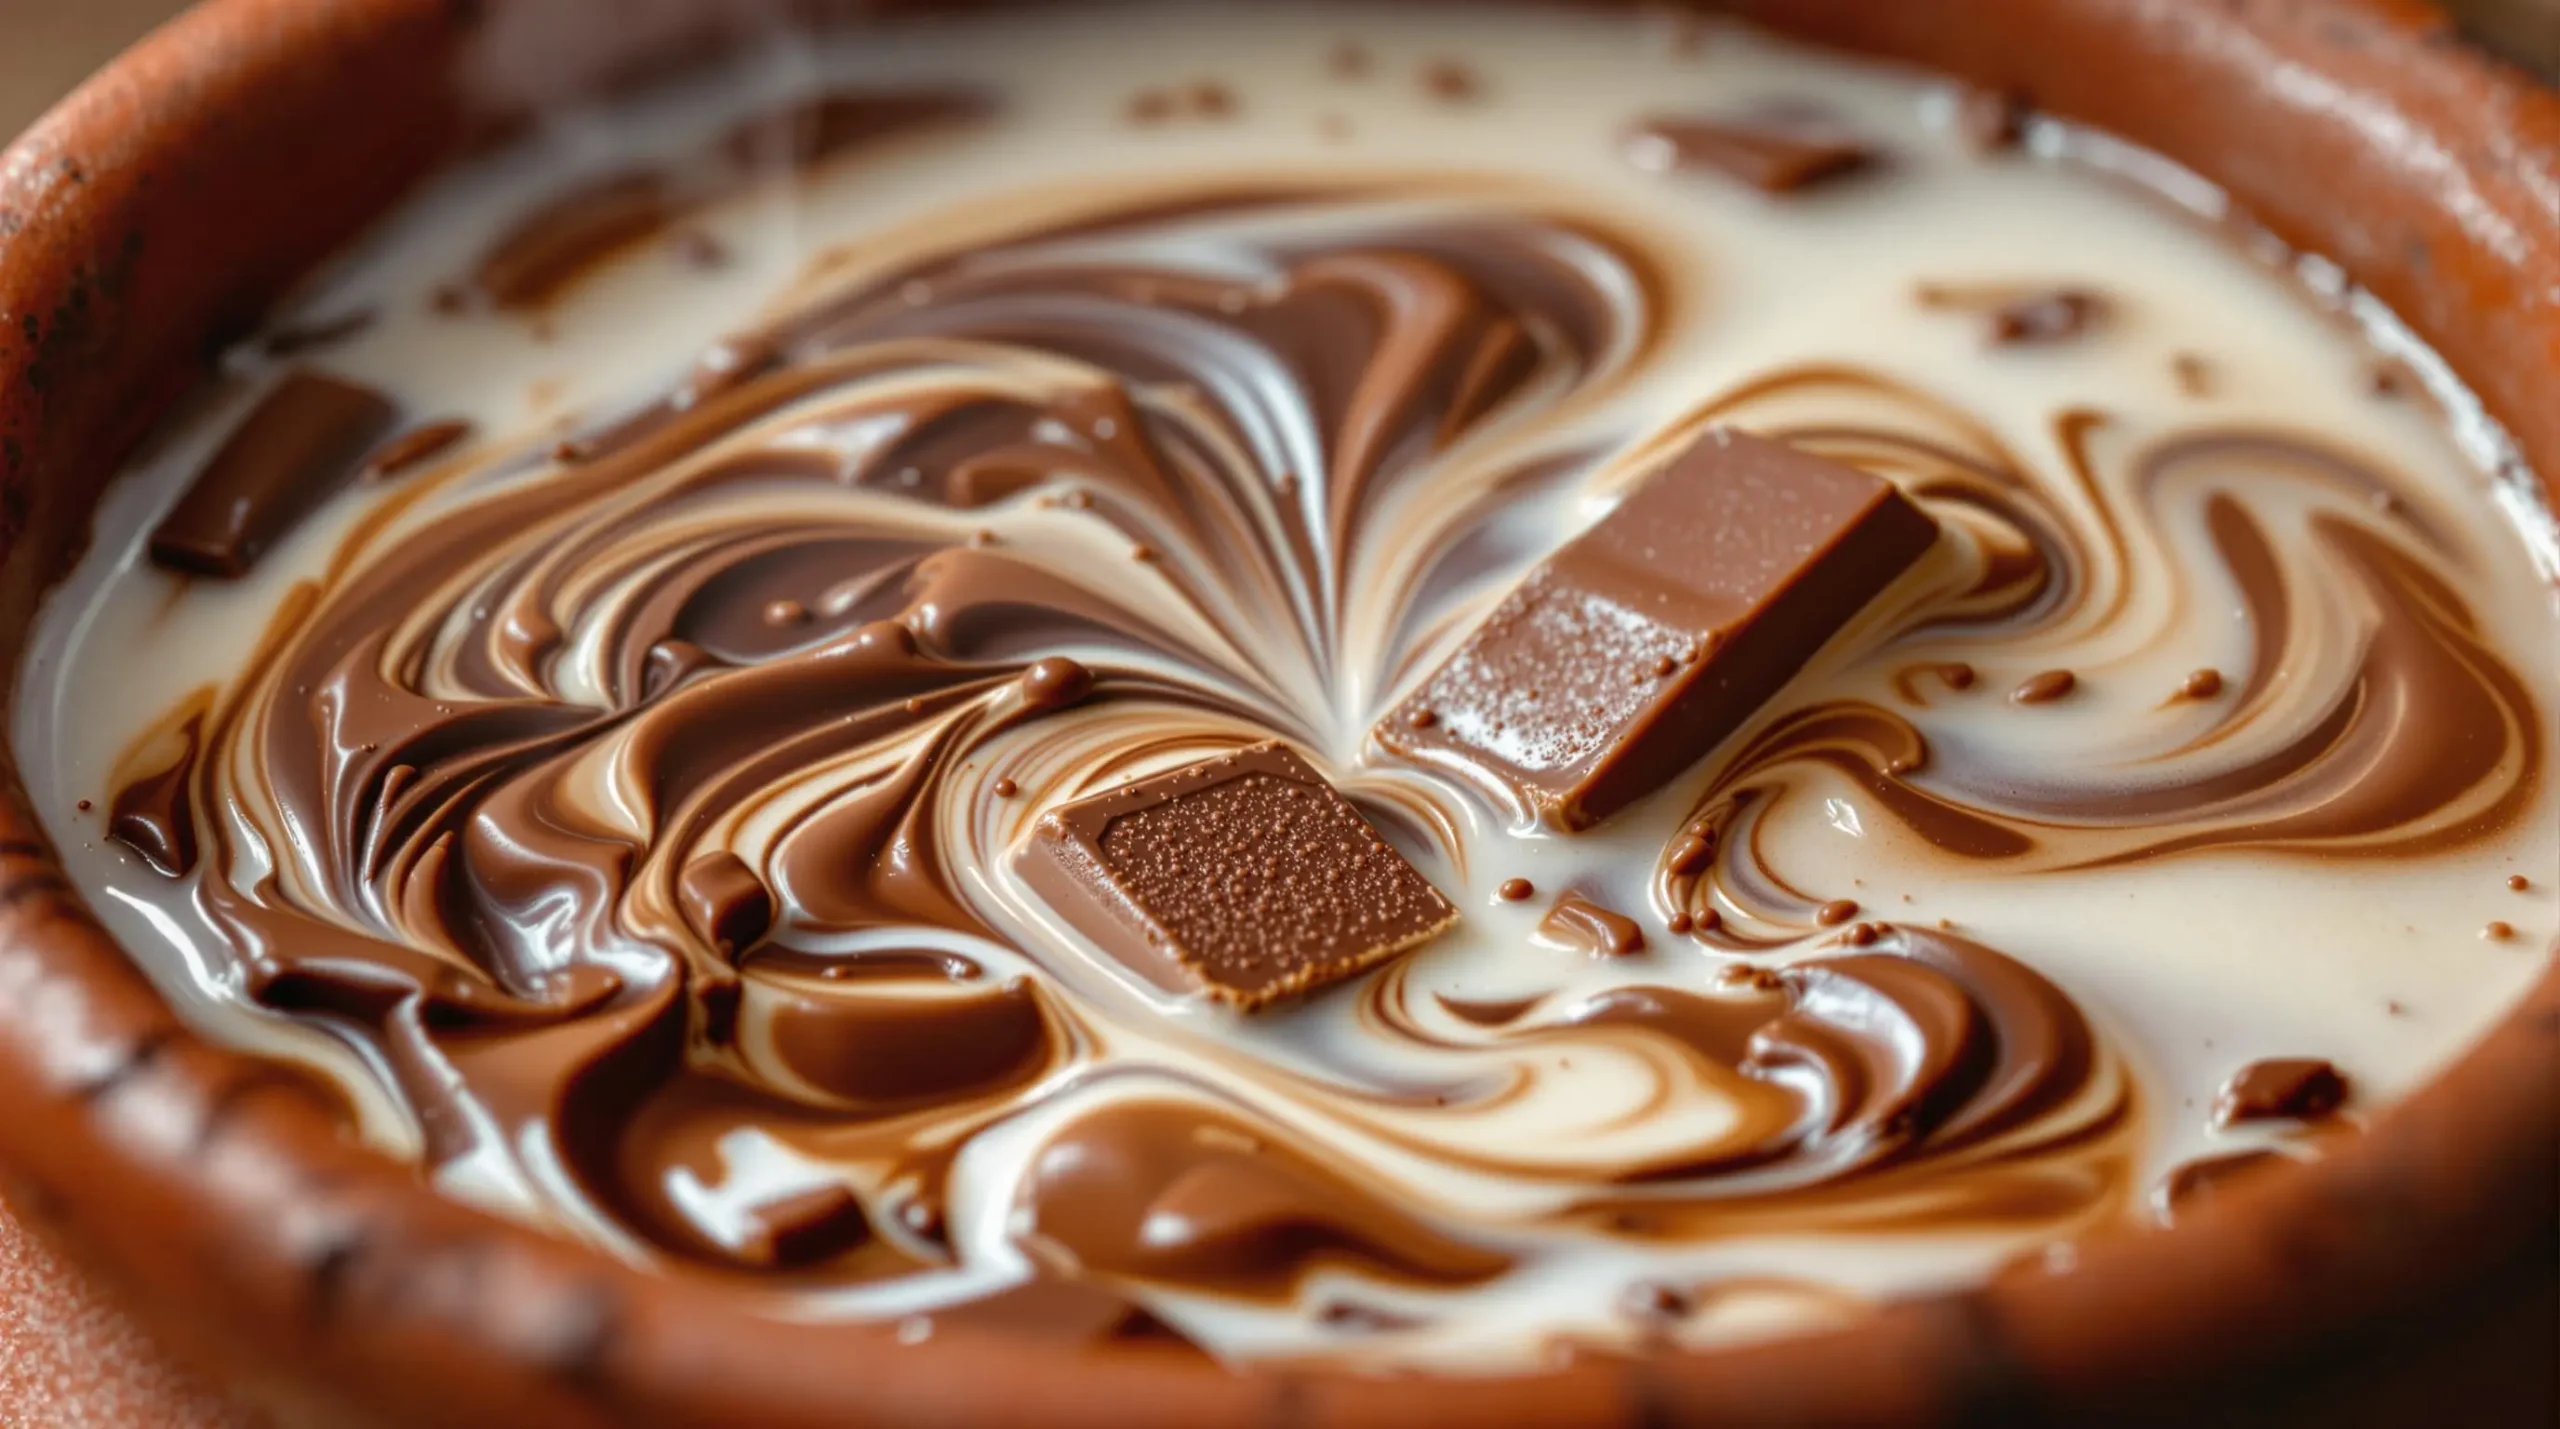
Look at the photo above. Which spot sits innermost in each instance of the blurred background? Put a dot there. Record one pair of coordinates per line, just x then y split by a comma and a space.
47, 45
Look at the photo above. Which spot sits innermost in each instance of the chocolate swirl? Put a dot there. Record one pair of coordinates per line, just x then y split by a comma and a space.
2374, 717
637, 802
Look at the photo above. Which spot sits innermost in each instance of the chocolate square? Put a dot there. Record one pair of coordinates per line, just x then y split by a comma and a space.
1635, 649
1244, 876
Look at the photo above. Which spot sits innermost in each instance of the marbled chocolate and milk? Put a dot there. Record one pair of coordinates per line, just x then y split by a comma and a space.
688, 711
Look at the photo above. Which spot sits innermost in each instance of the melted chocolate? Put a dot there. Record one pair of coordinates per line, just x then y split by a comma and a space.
1189, 1197
825, 728
1579, 925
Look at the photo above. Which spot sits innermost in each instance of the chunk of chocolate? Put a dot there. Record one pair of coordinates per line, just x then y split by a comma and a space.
299, 445
1645, 641
1244, 876
2299, 1088
725, 904
2014, 315
1775, 153
2046, 317
806, 1227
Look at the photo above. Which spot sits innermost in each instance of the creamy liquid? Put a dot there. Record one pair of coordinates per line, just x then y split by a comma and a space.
2187, 963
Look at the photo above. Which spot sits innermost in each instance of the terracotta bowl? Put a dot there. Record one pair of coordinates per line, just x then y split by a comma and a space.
158, 211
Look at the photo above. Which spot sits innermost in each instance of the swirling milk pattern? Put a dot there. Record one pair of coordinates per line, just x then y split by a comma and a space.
1252, 444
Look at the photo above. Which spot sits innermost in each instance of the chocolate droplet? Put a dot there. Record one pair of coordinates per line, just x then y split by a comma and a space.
1055, 683
1578, 924
2046, 317
1451, 81
1690, 856
1655, 1303
1516, 890
2045, 687
886, 635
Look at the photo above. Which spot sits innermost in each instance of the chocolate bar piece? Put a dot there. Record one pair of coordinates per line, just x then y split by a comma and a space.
300, 443
2301, 1088
1244, 876
1645, 641
1775, 153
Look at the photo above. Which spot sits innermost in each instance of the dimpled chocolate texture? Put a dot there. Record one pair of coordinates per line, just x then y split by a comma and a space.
1244, 876
1646, 640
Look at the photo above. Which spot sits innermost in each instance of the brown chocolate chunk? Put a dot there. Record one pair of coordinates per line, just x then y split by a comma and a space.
725, 904
2019, 315
300, 444
1775, 153
2046, 317
2302, 1088
806, 1227
1578, 924
1632, 651
1244, 876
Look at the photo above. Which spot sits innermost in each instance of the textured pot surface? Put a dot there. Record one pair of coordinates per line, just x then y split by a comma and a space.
160, 210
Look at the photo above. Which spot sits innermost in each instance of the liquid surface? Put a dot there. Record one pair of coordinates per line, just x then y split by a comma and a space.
1247, 366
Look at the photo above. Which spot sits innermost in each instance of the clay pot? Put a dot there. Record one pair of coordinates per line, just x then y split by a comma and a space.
157, 212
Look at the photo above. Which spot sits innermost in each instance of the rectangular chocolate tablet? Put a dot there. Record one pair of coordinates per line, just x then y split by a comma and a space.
1244, 876
1641, 644
302, 441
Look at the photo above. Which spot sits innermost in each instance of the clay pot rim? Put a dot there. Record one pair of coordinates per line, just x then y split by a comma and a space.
333, 1277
